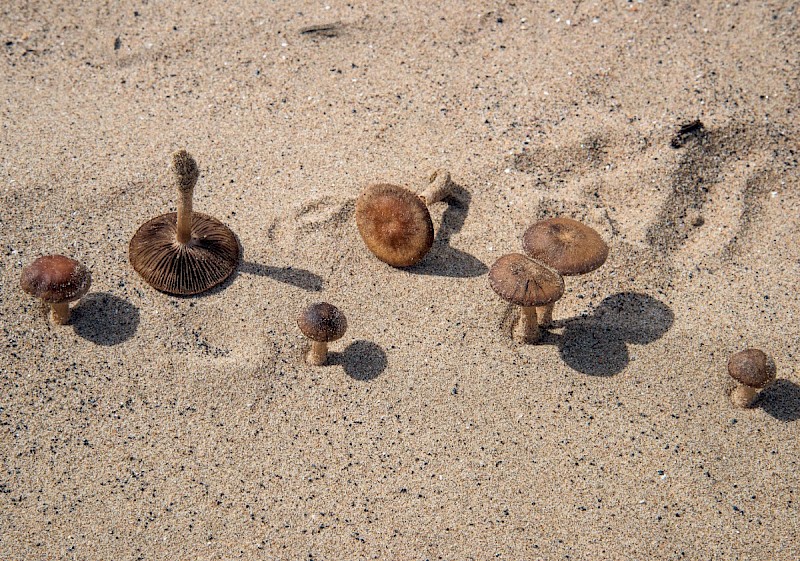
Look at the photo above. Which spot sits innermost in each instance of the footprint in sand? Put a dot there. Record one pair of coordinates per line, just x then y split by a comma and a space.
718, 183
323, 213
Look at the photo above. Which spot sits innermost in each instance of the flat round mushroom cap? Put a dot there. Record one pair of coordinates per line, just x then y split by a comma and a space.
752, 367
56, 279
206, 260
395, 224
524, 281
568, 246
322, 322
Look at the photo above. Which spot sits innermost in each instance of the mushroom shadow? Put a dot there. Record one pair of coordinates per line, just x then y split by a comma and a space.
362, 360
443, 260
288, 275
105, 319
781, 400
597, 344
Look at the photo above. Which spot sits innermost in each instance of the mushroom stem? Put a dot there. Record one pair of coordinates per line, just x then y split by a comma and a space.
527, 329
743, 396
186, 174
440, 186
185, 217
318, 353
59, 313
545, 313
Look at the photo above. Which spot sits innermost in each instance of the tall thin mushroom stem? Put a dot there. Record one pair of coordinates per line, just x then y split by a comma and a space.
527, 329
318, 354
440, 186
186, 174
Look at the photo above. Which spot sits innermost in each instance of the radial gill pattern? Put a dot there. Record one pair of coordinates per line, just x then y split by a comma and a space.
210, 256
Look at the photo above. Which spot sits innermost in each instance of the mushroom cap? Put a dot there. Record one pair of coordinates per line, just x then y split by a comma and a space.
569, 246
524, 281
394, 223
752, 367
56, 279
206, 260
322, 322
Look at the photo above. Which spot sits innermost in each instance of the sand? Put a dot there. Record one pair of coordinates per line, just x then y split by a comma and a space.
158, 427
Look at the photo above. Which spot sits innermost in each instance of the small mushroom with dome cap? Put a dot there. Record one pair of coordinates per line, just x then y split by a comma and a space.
395, 223
56, 280
568, 246
754, 371
322, 323
528, 284
184, 252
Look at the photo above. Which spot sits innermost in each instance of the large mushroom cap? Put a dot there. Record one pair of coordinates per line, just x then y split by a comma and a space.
206, 260
752, 367
322, 322
56, 279
568, 246
524, 281
395, 224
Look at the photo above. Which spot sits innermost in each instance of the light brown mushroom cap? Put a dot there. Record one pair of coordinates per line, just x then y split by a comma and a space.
206, 260
395, 224
524, 281
752, 367
56, 279
568, 246
322, 322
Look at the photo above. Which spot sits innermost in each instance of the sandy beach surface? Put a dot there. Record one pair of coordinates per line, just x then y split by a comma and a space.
157, 427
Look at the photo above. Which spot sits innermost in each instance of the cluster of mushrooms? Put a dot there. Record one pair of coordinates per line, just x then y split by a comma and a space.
186, 253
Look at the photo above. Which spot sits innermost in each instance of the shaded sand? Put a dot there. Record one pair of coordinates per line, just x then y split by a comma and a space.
156, 427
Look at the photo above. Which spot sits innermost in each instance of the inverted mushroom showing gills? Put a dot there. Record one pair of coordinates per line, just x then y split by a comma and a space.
322, 323
754, 371
395, 223
527, 283
184, 252
57, 281
568, 246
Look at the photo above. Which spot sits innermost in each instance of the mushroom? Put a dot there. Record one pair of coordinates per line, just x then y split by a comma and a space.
57, 281
566, 245
395, 223
527, 283
186, 252
753, 370
322, 323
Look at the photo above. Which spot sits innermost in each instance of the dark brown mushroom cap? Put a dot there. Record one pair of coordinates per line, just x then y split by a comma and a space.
568, 246
752, 367
206, 260
524, 281
395, 224
56, 279
322, 322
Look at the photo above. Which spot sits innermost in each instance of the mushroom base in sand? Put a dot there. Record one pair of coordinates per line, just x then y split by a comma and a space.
209, 257
318, 355
545, 314
59, 313
526, 329
744, 396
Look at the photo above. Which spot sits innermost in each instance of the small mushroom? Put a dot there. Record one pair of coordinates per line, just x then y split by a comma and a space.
527, 283
395, 223
322, 323
753, 370
186, 252
57, 281
568, 246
